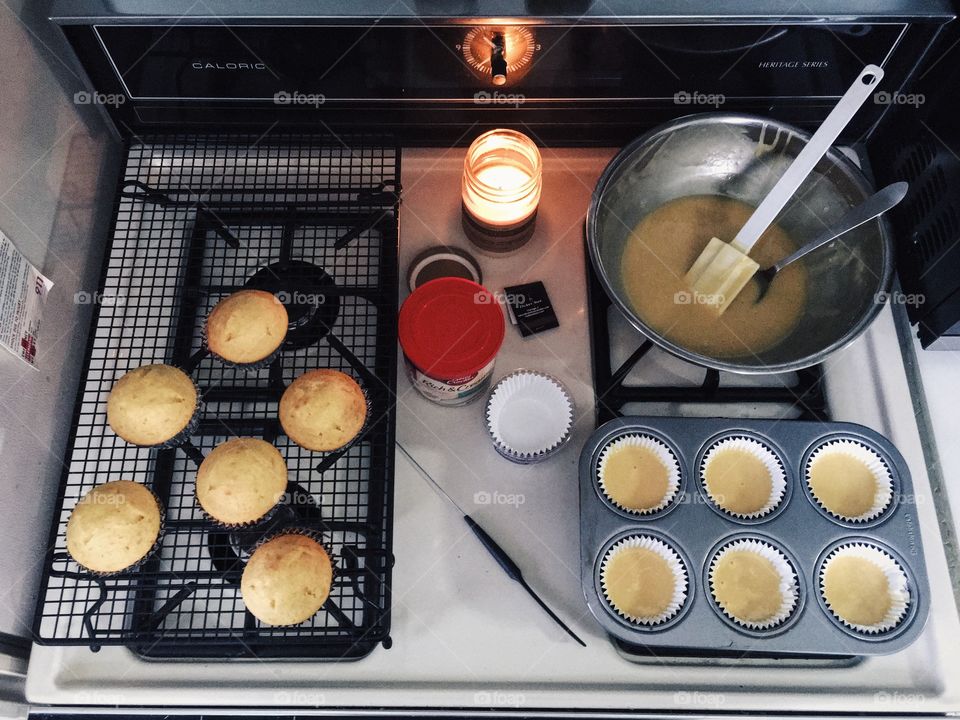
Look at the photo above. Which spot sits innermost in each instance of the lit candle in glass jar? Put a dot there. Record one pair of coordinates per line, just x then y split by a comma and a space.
502, 180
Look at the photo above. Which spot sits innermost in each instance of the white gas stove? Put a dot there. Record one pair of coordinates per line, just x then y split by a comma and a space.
463, 635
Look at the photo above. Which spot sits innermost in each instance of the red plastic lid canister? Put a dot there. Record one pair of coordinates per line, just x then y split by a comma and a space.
451, 328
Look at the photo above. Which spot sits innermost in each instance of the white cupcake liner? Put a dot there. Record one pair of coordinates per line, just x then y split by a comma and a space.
789, 582
778, 476
187, 431
529, 416
663, 453
675, 564
872, 461
897, 585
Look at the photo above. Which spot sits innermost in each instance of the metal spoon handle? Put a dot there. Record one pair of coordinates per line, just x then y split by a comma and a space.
875, 205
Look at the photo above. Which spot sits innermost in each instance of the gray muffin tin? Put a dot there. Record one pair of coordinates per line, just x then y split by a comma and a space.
803, 531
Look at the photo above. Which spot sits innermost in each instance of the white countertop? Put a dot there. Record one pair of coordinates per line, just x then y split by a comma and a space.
464, 635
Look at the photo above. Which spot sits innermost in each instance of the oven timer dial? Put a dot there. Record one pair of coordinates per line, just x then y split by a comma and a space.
498, 52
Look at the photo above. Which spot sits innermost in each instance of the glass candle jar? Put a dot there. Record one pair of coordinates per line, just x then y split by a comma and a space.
502, 180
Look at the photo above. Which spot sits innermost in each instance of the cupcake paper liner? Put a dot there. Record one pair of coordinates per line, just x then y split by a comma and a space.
252, 367
149, 554
220, 525
529, 416
897, 585
367, 420
871, 460
188, 430
661, 450
778, 477
789, 582
672, 559
316, 537
244, 525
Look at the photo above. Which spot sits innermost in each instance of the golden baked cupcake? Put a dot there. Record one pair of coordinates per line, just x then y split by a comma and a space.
323, 410
864, 588
743, 477
849, 480
247, 327
753, 583
287, 579
241, 480
114, 526
639, 474
644, 580
153, 405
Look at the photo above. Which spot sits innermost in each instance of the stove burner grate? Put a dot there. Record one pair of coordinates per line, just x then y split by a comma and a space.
803, 396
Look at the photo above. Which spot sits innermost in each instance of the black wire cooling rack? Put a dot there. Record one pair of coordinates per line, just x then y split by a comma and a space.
314, 220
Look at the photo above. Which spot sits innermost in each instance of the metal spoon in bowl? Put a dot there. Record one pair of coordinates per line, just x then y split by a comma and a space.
875, 205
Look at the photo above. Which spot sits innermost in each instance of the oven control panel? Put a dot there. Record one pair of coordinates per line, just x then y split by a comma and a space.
460, 72
417, 63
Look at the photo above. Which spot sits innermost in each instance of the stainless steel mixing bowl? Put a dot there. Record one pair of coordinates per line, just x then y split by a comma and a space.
741, 157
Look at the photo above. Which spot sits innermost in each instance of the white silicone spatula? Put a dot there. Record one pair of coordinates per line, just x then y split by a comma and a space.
723, 269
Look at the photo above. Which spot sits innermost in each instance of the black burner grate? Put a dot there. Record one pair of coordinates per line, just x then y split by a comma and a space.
314, 220
803, 394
